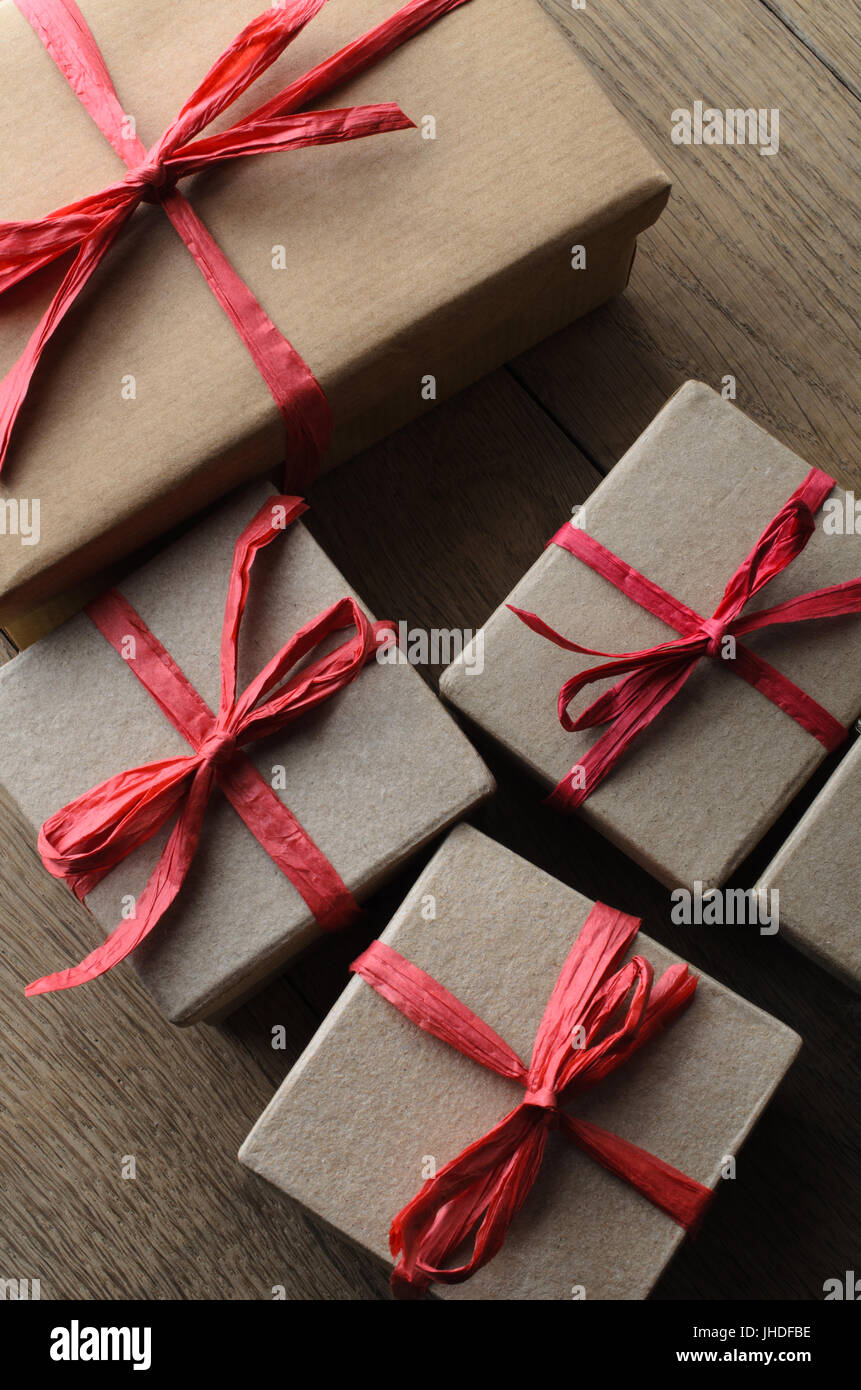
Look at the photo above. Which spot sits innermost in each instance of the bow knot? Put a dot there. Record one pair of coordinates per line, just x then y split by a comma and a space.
217, 748
544, 1098
715, 630
151, 180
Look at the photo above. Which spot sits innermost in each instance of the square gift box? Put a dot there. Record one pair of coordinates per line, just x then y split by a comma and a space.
698, 787
816, 873
401, 267
371, 774
374, 1100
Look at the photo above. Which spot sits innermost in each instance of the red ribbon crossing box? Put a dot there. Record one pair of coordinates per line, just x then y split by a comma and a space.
522, 1097
220, 766
204, 269
686, 650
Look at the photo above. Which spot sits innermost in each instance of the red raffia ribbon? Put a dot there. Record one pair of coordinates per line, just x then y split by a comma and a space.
89, 227
87, 838
657, 674
478, 1194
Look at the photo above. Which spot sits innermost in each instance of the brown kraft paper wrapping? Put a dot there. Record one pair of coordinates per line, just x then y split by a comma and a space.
372, 774
404, 257
816, 874
700, 786
373, 1097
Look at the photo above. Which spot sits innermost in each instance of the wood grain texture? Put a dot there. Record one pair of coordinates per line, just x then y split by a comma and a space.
753, 269
748, 272
832, 32
97, 1077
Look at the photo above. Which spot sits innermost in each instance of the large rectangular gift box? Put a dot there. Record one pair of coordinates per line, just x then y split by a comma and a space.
374, 1101
434, 252
816, 874
371, 774
695, 791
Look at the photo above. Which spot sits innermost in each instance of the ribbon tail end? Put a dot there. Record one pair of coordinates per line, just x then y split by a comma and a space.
61, 979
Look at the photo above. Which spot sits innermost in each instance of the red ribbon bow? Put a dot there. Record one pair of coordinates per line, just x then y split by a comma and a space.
88, 837
479, 1193
657, 674
90, 226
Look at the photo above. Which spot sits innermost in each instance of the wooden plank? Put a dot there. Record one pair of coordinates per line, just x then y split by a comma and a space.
93, 1076
436, 524
752, 271
831, 29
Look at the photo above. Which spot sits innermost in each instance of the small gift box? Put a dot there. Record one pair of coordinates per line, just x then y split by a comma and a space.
499, 198
815, 874
570, 1175
232, 826
707, 594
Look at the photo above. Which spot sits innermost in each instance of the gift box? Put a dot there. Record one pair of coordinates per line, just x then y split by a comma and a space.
375, 1104
401, 267
815, 873
370, 772
717, 721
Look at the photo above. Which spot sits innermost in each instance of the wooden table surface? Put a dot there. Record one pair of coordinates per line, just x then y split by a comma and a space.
752, 272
